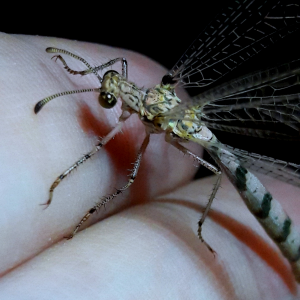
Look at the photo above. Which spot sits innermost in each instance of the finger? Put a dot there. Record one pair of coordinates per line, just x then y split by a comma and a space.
153, 248
35, 149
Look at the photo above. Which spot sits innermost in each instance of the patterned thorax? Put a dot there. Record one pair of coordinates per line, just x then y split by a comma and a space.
190, 128
151, 104
159, 101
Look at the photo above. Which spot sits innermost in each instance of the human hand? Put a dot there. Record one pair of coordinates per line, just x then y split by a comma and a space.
143, 249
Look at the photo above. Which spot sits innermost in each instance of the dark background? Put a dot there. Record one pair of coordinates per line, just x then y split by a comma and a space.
162, 32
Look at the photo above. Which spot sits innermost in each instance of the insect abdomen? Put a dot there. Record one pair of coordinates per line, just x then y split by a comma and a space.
267, 210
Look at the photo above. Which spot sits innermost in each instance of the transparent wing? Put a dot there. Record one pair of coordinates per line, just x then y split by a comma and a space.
262, 104
236, 34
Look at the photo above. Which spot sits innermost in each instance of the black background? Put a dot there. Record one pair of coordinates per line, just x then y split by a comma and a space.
161, 32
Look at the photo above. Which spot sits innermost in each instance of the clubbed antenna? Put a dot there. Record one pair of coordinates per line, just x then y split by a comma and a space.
41, 103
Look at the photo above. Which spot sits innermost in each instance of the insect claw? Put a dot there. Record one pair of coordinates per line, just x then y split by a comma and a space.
46, 204
69, 237
210, 249
55, 57
208, 246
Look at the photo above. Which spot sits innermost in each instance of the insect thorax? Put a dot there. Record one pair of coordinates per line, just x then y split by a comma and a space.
151, 105
159, 101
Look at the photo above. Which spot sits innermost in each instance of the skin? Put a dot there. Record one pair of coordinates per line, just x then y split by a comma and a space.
146, 245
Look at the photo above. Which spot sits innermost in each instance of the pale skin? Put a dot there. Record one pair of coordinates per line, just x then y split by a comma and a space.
141, 249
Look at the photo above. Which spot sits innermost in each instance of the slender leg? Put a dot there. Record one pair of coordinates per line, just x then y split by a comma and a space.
214, 191
57, 50
108, 198
112, 62
104, 141
90, 69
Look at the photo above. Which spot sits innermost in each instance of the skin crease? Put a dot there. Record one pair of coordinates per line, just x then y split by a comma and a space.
146, 245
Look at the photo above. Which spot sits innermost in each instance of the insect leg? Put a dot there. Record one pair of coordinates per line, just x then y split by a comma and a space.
108, 198
112, 62
104, 141
90, 69
212, 168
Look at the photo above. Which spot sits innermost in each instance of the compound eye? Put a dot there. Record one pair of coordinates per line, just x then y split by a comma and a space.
113, 72
107, 100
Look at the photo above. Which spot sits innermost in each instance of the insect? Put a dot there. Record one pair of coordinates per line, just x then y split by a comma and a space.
264, 104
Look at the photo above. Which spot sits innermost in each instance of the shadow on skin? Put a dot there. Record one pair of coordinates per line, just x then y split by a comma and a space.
244, 234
